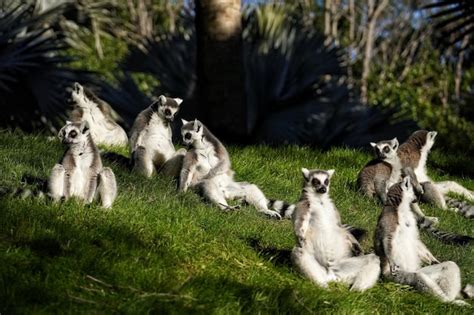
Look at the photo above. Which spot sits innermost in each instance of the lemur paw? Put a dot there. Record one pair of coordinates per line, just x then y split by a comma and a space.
429, 221
228, 208
460, 303
273, 214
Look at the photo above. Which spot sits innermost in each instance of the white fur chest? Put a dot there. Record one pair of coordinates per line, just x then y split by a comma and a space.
327, 239
405, 241
207, 159
156, 136
396, 173
80, 175
420, 170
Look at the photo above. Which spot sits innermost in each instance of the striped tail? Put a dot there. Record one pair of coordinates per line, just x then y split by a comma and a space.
22, 193
462, 207
283, 208
448, 237
358, 233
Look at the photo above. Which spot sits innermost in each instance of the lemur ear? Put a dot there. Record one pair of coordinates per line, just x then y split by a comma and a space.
373, 144
395, 143
84, 127
197, 125
406, 182
305, 172
432, 134
162, 100
62, 133
68, 122
330, 172
178, 100
184, 121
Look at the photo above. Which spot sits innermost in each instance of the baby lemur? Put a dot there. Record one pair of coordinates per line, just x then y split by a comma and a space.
402, 253
80, 173
207, 167
151, 144
325, 251
88, 107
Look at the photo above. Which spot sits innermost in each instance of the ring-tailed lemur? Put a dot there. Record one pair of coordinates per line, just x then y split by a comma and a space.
401, 251
414, 153
207, 166
80, 173
88, 107
151, 144
325, 251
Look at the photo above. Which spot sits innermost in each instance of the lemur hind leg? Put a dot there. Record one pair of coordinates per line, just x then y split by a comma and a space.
451, 186
211, 191
172, 167
360, 272
251, 194
56, 182
442, 280
142, 161
309, 267
107, 188
432, 195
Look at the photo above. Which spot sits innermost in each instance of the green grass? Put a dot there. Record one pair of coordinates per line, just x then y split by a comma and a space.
161, 251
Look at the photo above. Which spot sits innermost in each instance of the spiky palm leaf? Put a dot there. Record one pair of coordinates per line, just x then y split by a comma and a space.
454, 17
293, 80
33, 78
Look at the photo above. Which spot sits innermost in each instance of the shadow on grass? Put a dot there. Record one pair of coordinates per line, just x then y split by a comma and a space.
279, 257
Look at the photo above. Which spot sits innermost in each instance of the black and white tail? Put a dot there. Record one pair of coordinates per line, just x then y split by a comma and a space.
462, 207
283, 208
22, 193
445, 237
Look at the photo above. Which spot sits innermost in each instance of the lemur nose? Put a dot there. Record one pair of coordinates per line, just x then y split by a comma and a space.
187, 136
322, 190
167, 112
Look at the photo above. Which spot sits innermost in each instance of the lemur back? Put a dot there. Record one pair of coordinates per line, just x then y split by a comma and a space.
98, 114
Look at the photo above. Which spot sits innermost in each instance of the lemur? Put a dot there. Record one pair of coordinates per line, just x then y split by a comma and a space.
80, 173
325, 251
151, 144
401, 252
207, 167
88, 107
414, 153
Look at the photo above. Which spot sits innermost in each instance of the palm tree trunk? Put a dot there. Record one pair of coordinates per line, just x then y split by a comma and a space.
220, 76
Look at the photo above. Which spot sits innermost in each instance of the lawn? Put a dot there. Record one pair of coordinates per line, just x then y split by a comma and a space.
161, 251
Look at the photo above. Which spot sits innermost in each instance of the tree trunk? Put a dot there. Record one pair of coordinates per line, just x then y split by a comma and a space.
220, 76
373, 13
459, 64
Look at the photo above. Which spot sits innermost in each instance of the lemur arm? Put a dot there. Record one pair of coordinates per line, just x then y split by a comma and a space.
222, 166
187, 172
381, 189
424, 253
301, 225
408, 171
91, 188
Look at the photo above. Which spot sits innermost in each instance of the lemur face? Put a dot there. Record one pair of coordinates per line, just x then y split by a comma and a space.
73, 133
167, 107
191, 131
407, 188
386, 150
317, 181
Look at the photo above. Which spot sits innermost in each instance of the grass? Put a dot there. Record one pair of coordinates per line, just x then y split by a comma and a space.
161, 251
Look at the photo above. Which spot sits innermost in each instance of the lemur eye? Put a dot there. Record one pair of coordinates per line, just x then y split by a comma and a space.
386, 149
73, 134
315, 181
187, 136
326, 182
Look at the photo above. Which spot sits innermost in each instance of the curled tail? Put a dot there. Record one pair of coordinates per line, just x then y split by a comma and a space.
283, 208
462, 207
358, 233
